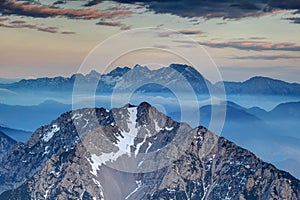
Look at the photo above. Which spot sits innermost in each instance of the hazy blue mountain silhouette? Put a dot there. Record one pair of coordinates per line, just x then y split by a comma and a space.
6, 143
262, 86
107, 82
16, 134
29, 118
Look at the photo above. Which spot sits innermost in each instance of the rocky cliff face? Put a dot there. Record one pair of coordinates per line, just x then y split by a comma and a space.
136, 153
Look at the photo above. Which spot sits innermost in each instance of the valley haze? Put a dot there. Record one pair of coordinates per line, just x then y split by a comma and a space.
267, 104
149, 100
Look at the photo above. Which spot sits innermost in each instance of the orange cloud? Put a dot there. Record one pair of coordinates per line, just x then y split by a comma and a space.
17, 22
26, 9
3, 18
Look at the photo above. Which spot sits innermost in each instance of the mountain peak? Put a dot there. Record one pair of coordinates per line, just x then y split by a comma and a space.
156, 156
119, 71
179, 67
263, 79
260, 85
144, 104
93, 74
140, 67
163, 76
129, 106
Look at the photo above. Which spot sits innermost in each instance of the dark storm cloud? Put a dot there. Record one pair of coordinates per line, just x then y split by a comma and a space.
93, 2
230, 9
295, 20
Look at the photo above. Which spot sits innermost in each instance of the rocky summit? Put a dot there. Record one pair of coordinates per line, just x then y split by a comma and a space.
135, 152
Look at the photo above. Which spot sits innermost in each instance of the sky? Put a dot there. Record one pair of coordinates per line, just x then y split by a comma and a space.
242, 38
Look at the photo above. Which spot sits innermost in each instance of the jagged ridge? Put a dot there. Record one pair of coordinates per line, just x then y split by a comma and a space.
74, 156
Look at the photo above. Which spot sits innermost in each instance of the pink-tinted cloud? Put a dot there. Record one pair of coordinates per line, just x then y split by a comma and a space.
48, 29
27, 9
18, 22
6, 26
3, 19
266, 57
30, 26
254, 45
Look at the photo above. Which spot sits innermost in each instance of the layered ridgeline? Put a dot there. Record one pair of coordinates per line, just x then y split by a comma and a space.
6, 143
92, 154
174, 75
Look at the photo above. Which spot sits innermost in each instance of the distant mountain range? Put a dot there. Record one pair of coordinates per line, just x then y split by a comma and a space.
8, 80
248, 127
6, 143
176, 75
16, 134
78, 157
284, 117
276, 128
21, 117
263, 86
273, 136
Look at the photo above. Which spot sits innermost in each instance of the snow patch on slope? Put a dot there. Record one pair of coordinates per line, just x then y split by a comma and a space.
124, 143
149, 146
157, 128
169, 128
47, 136
128, 137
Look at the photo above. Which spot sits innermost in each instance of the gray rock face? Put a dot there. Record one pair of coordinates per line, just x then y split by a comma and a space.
136, 153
